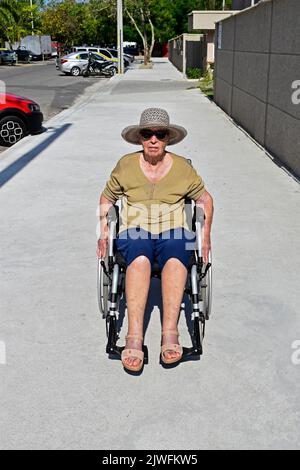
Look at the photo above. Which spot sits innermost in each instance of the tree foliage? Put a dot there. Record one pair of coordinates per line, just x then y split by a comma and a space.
16, 18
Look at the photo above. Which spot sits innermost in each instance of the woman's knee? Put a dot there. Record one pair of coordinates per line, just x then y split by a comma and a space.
174, 264
141, 261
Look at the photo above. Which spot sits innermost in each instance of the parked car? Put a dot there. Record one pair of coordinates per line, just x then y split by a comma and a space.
18, 117
107, 53
131, 50
7, 56
85, 48
76, 62
114, 52
99, 50
23, 55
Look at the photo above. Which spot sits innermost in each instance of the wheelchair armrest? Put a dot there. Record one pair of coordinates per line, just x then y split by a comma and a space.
199, 214
113, 214
199, 217
112, 222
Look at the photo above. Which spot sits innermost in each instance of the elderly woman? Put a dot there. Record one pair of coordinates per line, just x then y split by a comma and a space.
154, 183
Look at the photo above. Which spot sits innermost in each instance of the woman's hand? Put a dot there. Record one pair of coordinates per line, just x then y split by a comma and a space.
206, 246
102, 247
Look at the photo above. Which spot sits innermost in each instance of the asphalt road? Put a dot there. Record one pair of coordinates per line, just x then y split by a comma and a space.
41, 82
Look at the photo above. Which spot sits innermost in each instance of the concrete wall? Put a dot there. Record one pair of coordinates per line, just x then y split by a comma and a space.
176, 52
257, 71
188, 50
205, 20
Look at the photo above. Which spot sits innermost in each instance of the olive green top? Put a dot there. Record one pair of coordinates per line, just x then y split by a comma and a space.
155, 207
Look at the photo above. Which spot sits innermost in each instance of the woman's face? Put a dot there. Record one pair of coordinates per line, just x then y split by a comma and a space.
154, 142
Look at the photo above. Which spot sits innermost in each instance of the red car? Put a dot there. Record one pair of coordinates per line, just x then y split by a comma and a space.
18, 117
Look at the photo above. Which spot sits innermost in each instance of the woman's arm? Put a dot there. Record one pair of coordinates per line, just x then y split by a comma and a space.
206, 203
112, 192
105, 205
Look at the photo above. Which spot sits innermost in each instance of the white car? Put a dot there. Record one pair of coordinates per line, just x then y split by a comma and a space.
75, 62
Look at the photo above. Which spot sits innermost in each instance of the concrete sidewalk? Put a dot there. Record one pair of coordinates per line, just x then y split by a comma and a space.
59, 390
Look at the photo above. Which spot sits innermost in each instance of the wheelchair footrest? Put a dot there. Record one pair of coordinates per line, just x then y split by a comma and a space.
191, 354
115, 352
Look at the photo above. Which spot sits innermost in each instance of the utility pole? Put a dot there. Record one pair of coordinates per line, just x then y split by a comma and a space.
32, 26
120, 36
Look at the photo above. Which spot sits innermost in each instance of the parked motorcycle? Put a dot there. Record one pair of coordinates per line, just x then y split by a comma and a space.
95, 67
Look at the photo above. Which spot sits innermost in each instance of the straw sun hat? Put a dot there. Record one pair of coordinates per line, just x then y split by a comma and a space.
154, 118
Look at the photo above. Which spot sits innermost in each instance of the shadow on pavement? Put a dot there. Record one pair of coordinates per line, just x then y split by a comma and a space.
14, 168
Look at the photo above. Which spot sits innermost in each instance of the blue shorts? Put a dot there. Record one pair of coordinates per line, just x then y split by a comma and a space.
176, 243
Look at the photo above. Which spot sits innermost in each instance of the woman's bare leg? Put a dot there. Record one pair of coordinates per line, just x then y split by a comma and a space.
173, 277
137, 282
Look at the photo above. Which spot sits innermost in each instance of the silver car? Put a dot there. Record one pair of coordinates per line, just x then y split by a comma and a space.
75, 62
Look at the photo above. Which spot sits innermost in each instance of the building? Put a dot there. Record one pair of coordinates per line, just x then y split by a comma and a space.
188, 51
205, 22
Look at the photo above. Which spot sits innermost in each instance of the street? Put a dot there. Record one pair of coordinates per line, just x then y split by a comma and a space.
59, 390
41, 82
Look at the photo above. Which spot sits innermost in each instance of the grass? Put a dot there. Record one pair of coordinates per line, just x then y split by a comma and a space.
206, 84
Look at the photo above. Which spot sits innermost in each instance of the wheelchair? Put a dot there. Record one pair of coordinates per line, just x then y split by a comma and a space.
111, 285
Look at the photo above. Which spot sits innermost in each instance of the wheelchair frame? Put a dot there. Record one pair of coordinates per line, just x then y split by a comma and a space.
111, 288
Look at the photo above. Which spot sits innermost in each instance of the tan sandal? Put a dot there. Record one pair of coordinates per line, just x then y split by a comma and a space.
171, 347
133, 353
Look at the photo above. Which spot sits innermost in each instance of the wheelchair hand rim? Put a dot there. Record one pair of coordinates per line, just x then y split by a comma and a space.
102, 289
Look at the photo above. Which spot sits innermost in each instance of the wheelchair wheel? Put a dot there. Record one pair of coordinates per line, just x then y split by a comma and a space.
206, 288
103, 288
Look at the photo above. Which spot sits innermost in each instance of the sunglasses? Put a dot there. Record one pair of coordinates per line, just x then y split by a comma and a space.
148, 133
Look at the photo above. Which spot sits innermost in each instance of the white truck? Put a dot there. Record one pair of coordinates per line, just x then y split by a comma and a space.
40, 46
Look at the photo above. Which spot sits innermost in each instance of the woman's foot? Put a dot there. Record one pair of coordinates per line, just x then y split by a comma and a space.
171, 351
133, 356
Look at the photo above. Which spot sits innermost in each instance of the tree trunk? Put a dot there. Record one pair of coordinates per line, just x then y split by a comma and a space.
146, 49
152, 40
143, 35
145, 40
